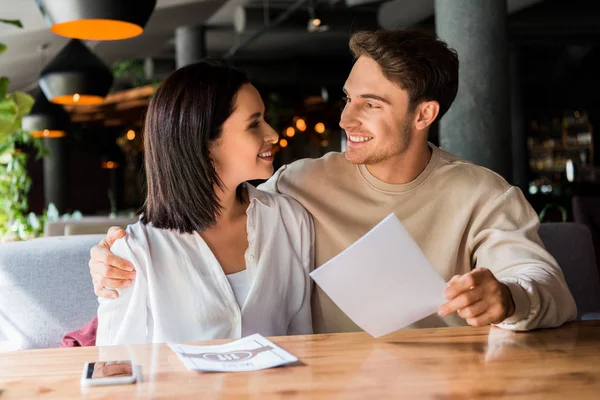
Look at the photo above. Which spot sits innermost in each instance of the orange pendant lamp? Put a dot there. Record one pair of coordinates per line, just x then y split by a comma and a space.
76, 77
97, 19
46, 120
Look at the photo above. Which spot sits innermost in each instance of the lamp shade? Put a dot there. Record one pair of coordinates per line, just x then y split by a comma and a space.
46, 120
76, 76
97, 19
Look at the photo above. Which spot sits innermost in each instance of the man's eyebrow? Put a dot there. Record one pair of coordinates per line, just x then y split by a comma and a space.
371, 96
375, 97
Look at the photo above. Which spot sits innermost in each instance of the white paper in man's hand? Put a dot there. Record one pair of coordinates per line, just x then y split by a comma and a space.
383, 281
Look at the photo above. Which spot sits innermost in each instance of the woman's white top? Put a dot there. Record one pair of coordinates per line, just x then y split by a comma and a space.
240, 284
181, 292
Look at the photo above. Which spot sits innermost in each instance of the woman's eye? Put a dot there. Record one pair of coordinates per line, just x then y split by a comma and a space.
254, 124
346, 99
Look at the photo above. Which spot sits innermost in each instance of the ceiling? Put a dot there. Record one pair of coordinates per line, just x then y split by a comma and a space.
24, 59
290, 42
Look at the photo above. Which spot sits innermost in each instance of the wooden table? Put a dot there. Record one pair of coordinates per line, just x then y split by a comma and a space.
450, 363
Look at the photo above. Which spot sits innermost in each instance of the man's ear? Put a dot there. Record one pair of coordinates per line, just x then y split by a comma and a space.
426, 113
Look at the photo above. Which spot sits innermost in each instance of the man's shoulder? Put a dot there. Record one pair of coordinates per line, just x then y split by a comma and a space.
307, 173
328, 162
467, 175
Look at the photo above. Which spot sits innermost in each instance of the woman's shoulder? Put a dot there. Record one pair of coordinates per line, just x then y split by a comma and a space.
281, 204
140, 238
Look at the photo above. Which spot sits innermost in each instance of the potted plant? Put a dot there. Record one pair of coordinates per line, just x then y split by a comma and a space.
15, 223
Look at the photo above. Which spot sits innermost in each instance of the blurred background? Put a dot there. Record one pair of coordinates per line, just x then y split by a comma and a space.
527, 104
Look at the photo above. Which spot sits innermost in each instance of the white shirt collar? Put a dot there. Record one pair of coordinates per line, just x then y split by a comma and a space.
257, 195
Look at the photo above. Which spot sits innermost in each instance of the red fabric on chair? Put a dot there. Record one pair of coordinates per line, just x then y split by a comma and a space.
84, 336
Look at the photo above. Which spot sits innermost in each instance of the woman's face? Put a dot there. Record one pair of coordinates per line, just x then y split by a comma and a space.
244, 150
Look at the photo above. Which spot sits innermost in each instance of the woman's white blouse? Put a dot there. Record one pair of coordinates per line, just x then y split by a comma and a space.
181, 292
240, 284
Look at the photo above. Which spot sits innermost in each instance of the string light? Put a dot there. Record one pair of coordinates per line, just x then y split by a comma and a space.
130, 134
290, 132
301, 125
320, 127
283, 143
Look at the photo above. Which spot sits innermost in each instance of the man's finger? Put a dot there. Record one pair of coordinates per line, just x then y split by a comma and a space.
474, 310
113, 283
101, 255
481, 320
114, 233
463, 283
100, 291
105, 271
463, 300
453, 279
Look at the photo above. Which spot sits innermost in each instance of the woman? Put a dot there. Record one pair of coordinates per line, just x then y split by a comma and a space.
215, 258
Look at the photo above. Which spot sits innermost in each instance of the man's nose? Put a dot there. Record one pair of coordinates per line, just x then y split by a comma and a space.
348, 118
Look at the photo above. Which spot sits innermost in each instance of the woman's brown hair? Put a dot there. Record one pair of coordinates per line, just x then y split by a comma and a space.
184, 116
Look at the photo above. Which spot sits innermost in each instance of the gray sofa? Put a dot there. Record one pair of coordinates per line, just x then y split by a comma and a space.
46, 290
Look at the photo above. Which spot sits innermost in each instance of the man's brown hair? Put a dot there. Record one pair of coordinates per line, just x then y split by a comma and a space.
418, 62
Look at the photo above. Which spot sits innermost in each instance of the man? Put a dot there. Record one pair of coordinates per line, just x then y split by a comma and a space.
477, 230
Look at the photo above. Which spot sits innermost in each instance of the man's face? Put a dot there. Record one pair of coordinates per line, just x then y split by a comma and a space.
375, 118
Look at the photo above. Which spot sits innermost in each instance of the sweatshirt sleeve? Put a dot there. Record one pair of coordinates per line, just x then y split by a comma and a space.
504, 238
271, 185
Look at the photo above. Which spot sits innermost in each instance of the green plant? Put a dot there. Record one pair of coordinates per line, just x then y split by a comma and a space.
130, 69
14, 22
15, 182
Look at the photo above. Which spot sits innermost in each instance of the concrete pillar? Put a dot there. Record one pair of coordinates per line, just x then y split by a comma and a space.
519, 138
477, 126
190, 45
55, 174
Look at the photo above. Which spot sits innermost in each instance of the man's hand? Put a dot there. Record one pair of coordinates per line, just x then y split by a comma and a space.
479, 298
108, 270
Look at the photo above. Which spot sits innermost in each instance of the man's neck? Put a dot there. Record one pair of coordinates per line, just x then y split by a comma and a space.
404, 167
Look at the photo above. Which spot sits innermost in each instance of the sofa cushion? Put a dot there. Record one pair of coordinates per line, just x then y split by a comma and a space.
45, 290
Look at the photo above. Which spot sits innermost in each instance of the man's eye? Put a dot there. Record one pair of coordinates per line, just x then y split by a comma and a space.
371, 105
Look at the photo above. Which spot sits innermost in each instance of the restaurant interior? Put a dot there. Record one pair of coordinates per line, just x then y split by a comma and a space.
73, 98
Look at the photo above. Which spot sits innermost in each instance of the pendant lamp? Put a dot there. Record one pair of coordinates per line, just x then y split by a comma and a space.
76, 76
97, 19
46, 120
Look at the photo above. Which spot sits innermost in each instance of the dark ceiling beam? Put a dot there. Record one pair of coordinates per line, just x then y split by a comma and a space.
272, 24
298, 71
248, 20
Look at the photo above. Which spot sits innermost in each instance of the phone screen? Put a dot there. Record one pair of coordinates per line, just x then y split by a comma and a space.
109, 369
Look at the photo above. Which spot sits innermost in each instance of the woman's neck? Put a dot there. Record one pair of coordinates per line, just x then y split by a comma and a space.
231, 208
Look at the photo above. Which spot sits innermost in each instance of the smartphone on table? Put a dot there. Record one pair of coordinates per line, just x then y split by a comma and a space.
100, 373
